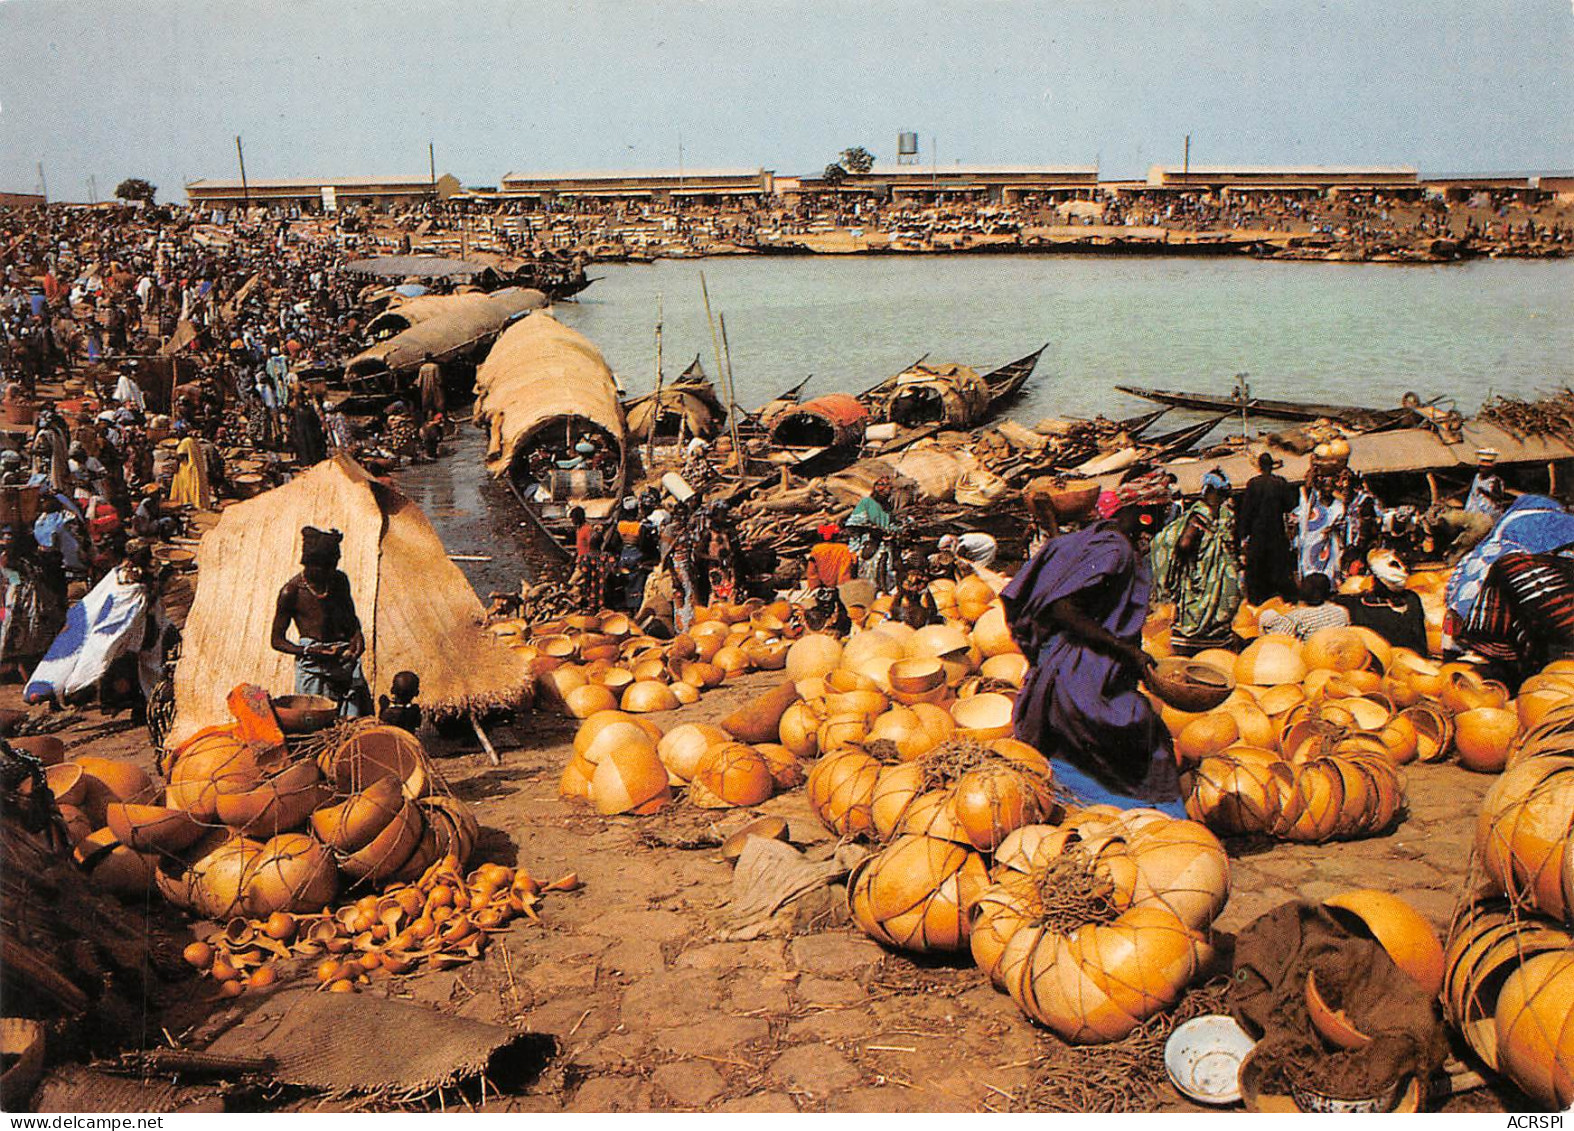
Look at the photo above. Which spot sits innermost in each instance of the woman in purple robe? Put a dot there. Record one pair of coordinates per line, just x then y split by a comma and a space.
1077, 610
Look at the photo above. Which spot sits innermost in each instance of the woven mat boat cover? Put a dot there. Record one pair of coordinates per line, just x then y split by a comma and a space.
360, 1044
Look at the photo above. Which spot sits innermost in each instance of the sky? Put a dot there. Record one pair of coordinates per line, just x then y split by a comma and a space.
106, 89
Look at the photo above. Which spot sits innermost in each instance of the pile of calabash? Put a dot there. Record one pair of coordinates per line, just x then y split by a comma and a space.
1091, 972
625, 763
592, 663
1308, 744
443, 919
247, 827
1510, 960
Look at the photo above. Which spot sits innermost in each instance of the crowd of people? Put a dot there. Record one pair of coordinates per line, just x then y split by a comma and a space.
591, 228
151, 365
1295, 560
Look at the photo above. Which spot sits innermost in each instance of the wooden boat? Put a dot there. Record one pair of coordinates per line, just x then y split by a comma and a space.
947, 395
685, 407
463, 326
1135, 426
543, 390
1366, 419
1182, 440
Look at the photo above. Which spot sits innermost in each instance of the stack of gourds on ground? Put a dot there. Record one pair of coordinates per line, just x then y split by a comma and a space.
1509, 986
1308, 745
264, 839
959, 676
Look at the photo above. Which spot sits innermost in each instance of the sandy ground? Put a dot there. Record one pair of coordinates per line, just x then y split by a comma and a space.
649, 1011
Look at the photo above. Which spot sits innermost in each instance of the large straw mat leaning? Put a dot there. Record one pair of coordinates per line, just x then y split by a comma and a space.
417, 611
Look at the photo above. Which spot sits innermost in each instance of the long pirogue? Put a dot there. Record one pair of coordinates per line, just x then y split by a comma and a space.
462, 324
543, 392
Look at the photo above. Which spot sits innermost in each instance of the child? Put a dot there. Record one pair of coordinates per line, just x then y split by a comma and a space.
915, 605
402, 710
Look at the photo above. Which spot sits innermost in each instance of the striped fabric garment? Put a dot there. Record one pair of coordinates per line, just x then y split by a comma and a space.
1525, 612
1302, 621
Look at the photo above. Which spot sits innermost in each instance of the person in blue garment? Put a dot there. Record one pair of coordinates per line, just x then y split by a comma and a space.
1077, 610
1488, 493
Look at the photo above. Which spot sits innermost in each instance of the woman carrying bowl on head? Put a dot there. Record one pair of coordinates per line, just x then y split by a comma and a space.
1077, 610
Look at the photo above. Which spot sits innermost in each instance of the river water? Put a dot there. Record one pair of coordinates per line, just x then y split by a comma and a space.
1333, 332
1337, 332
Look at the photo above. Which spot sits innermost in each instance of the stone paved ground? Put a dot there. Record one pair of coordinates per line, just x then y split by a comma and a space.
650, 1012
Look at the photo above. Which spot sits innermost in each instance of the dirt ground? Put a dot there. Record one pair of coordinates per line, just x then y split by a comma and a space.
649, 1011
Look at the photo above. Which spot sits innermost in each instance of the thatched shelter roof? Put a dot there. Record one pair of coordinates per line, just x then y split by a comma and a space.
541, 374
462, 323
417, 610
694, 401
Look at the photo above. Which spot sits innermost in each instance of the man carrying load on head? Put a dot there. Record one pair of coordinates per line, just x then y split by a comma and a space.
317, 601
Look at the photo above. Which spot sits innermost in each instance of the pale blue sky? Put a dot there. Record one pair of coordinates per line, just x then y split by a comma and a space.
159, 88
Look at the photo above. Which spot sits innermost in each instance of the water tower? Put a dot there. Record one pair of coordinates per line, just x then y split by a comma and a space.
907, 148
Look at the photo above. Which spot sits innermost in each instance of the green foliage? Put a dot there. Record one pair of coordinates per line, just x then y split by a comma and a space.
136, 189
857, 159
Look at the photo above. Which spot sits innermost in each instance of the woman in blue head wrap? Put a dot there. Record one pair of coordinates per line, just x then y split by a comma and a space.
1194, 566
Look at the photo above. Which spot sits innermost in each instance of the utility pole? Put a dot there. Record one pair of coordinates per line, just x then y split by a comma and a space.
245, 190
431, 166
92, 189
1186, 161
680, 158
43, 185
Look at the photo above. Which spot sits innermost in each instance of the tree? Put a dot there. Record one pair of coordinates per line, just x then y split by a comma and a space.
135, 190
857, 159
834, 174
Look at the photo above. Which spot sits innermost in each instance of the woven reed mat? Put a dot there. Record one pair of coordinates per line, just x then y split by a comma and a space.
74, 1088
346, 1044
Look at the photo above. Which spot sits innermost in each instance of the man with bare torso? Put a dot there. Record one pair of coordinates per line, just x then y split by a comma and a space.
318, 603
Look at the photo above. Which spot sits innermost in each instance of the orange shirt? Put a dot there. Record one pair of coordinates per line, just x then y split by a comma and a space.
830, 564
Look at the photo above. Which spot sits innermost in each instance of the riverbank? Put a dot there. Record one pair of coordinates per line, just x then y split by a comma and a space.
648, 1008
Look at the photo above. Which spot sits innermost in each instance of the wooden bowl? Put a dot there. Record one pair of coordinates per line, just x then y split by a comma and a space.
917, 677
1190, 686
304, 714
